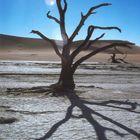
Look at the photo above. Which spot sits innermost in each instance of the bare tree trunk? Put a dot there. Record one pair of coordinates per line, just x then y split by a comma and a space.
66, 80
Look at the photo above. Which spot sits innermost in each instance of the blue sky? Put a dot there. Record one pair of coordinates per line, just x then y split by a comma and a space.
19, 17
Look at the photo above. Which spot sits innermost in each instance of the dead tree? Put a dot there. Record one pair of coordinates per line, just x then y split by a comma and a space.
117, 60
113, 58
67, 55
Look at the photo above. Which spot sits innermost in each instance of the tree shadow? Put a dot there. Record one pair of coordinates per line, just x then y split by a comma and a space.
87, 113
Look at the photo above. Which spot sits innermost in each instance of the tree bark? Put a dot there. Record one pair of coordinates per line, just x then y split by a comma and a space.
66, 79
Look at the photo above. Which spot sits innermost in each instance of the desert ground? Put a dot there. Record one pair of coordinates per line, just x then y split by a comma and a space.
104, 106
49, 55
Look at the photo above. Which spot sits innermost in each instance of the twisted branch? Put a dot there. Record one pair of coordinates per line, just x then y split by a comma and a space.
108, 28
94, 41
84, 18
65, 6
62, 19
77, 50
48, 40
85, 44
53, 18
78, 62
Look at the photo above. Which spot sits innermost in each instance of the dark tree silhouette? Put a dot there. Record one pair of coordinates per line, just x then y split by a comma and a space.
117, 60
67, 56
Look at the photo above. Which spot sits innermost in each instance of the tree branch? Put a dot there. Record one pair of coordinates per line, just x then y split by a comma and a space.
84, 45
62, 12
62, 20
93, 41
108, 28
53, 18
80, 48
78, 62
59, 6
65, 6
48, 40
84, 18
102, 28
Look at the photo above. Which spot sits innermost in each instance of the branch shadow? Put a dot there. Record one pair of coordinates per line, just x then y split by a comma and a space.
87, 113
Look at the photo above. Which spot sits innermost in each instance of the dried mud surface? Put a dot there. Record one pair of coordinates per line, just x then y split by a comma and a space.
108, 108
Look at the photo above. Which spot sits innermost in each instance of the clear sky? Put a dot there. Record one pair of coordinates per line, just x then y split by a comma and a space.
19, 17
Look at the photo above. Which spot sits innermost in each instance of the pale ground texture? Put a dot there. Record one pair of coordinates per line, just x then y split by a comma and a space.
108, 108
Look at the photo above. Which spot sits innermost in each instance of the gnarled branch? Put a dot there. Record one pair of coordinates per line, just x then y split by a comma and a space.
108, 28
48, 40
94, 41
85, 44
102, 28
53, 18
59, 6
101, 36
65, 6
77, 50
62, 19
62, 12
84, 18
78, 62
